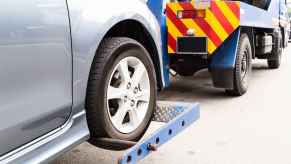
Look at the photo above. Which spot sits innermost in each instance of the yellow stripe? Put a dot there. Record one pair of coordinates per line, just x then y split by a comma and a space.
172, 29
211, 47
228, 14
189, 23
175, 7
170, 50
215, 25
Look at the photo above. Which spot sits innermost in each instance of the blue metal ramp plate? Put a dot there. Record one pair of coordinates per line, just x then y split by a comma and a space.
176, 115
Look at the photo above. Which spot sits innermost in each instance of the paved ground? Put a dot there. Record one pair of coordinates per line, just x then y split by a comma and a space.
252, 129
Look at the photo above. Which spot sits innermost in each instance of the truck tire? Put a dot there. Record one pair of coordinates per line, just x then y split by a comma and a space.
242, 68
121, 92
275, 61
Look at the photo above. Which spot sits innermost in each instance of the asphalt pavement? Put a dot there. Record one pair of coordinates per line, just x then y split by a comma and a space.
252, 129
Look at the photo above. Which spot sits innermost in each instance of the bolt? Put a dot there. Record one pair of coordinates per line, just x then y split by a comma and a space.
139, 88
125, 98
135, 90
128, 86
152, 147
132, 103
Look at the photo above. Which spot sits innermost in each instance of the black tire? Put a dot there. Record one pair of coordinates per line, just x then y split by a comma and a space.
274, 64
241, 74
275, 61
113, 50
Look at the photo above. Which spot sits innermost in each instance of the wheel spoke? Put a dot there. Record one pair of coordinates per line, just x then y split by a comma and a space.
120, 115
138, 74
123, 70
133, 117
115, 93
143, 96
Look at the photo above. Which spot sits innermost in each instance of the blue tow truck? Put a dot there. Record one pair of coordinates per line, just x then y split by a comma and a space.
221, 35
224, 36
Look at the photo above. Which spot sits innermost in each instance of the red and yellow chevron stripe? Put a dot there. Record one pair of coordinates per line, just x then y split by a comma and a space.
221, 19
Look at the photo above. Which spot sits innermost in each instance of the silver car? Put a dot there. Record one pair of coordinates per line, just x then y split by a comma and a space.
75, 70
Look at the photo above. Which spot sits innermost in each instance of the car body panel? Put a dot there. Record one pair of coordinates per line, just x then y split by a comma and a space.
35, 70
53, 144
90, 25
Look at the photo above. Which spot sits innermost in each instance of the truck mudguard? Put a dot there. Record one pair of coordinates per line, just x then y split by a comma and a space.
223, 61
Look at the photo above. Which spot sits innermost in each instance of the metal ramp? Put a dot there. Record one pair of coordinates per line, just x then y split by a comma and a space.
176, 115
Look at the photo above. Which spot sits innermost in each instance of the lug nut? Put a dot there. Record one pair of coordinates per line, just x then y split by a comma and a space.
132, 103
135, 90
128, 86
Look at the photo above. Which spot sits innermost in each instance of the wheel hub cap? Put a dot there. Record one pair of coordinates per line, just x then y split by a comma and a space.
128, 94
244, 67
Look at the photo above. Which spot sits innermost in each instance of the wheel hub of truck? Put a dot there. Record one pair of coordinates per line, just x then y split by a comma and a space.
244, 67
128, 94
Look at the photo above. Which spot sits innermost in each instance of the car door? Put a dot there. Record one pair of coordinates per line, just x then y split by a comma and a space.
35, 70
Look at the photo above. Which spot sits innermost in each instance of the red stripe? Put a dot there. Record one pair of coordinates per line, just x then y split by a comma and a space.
186, 5
221, 18
178, 23
234, 8
205, 27
172, 42
209, 31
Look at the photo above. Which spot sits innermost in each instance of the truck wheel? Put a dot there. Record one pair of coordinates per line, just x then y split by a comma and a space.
242, 68
276, 55
121, 91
